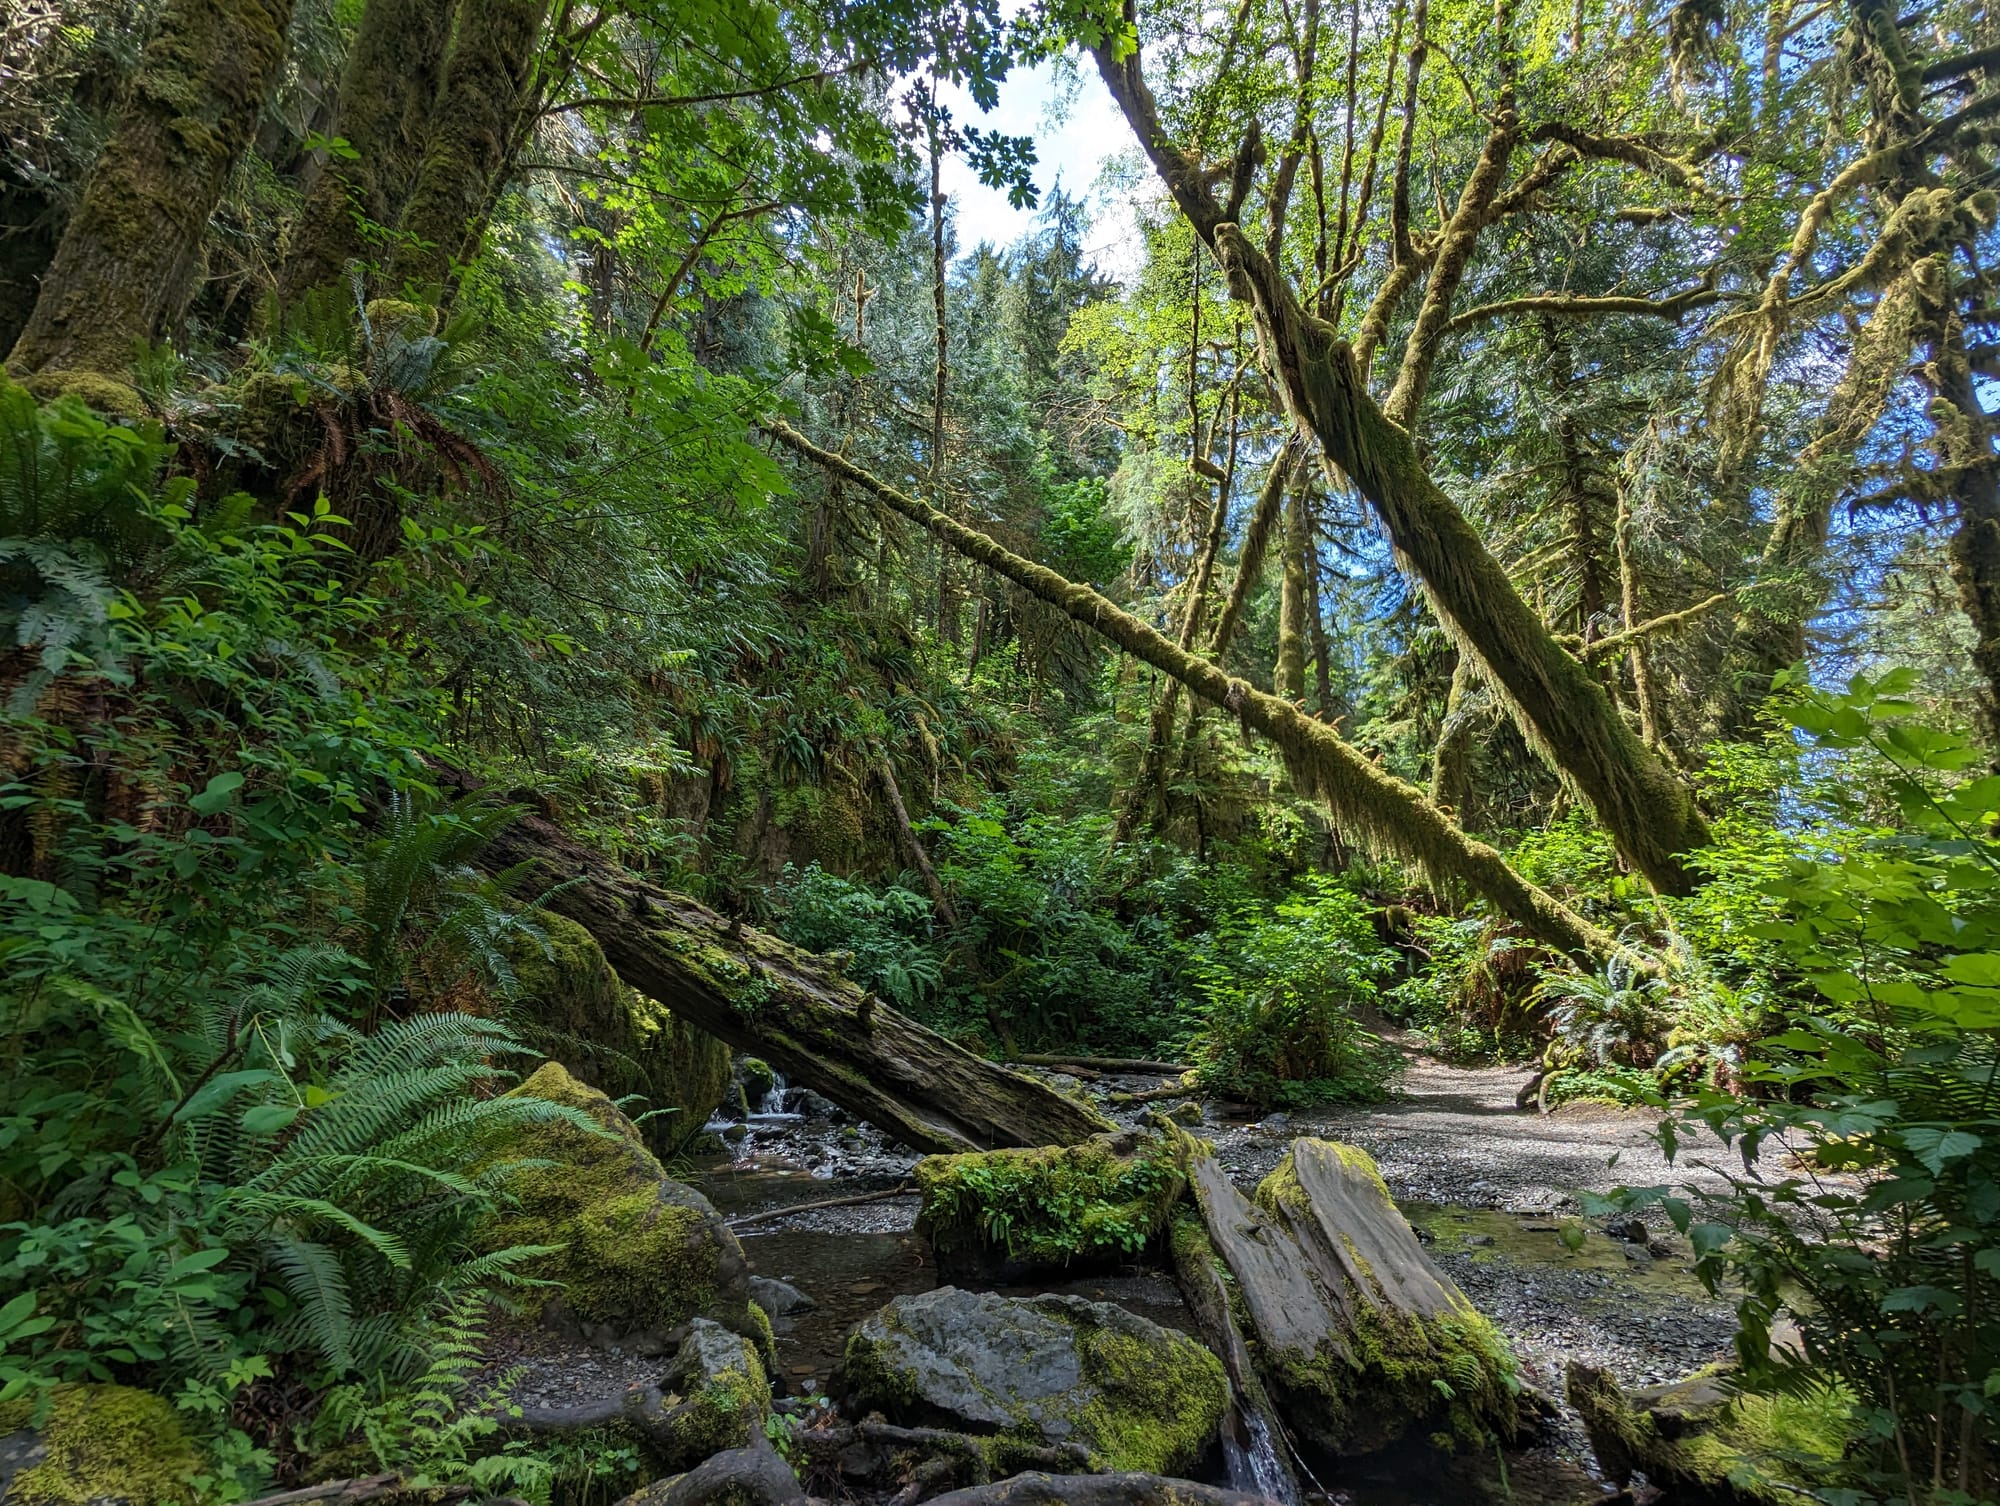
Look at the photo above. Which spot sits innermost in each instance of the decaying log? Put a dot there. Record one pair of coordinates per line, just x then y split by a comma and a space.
1204, 1282
791, 1008
1355, 1327
1138, 1065
361, 1488
1095, 1490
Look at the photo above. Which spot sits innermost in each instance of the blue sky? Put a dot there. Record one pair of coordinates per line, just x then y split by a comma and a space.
1077, 129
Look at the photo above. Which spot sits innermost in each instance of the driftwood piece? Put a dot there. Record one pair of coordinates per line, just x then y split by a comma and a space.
1360, 1338
790, 1007
769, 1214
1035, 1489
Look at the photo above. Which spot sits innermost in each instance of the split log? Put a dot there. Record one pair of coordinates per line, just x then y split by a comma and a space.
1096, 1490
1360, 1338
791, 1008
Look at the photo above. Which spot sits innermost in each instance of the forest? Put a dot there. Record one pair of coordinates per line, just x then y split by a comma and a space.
1322, 828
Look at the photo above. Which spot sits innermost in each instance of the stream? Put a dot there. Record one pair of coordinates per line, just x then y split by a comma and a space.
1490, 1190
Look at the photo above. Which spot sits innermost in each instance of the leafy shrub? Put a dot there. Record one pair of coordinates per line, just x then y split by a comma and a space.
1281, 991
885, 935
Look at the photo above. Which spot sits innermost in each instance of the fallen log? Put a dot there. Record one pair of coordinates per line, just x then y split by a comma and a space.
1141, 1066
1360, 1338
790, 1007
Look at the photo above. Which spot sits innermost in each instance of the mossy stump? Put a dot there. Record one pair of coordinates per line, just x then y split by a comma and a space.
1001, 1214
640, 1254
96, 1446
1708, 1445
1360, 1340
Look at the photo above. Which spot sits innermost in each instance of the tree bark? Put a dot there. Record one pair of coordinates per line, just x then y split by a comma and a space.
128, 255
1390, 813
383, 112
762, 994
1559, 703
473, 131
1288, 678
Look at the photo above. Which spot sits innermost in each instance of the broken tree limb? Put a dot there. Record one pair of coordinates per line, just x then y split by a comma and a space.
770, 1214
1105, 1064
791, 1008
1559, 704
1386, 811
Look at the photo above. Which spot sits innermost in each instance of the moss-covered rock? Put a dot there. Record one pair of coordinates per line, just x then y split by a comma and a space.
1050, 1370
640, 1253
96, 1446
1703, 1443
613, 1037
996, 1212
724, 1395
756, 1077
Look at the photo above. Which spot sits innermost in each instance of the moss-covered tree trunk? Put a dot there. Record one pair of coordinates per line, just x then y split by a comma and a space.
762, 994
383, 113
128, 255
1559, 703
474, 131
1289, 675
1383, 809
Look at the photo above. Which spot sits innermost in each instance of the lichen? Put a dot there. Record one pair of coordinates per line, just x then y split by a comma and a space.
1108, 1196
104, 1443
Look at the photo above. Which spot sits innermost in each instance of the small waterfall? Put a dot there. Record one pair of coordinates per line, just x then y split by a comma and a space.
774, 1096
1253, 1461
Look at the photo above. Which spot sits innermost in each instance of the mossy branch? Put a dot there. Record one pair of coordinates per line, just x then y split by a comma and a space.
1388, 813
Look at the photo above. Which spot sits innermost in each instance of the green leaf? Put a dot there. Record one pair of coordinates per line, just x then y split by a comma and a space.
269, 1118
220, 792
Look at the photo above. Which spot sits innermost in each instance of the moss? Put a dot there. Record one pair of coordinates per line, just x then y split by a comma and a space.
1153, 1417
867, 1369
760, 1333
1450, 1374
1109, 1195
614, 1037
107, 394
639, 1253
757, 1078
105, 1444
726, 1410
1698, 1436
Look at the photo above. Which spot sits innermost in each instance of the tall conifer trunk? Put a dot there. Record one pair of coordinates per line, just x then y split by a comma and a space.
128, 255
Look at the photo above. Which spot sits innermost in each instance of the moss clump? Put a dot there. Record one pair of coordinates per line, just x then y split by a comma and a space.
1700, 1437
758, 1078
1108, 1196
1394, 1369
614, 1037
640, 1253
104, 1444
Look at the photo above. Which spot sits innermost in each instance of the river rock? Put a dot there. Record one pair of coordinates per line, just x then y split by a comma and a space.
640, 1254
102, 1445
778, 1298
718, 1396
1135, 1395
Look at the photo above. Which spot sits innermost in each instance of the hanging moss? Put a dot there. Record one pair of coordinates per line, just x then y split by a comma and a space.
103, 1444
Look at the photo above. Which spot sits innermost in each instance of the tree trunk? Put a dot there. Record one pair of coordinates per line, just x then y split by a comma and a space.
913, 846
791, 1008
1392, 814
1561, 706
383, 110
127, 257
473, 131
1288, 678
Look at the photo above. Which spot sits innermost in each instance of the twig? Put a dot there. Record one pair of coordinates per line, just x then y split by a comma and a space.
904, 1190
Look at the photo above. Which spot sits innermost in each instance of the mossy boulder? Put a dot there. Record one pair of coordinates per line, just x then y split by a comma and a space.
1048, 1370
614, 1037
96, 1446
1706, 1444
640, 1253
717, 1397
1000, 1213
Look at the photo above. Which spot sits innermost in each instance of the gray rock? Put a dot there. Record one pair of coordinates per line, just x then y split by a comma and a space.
779, 1298
1630, 1229
1072, 1371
